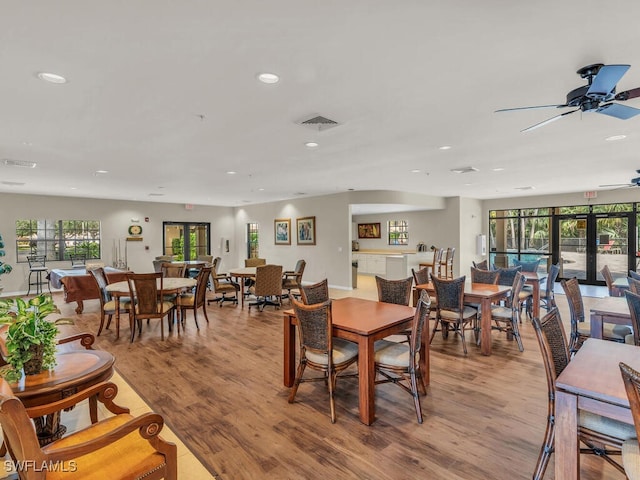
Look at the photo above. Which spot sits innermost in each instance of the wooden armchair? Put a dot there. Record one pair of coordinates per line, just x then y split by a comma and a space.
173, 270
118, 447
194, 301
147, 289
107, 304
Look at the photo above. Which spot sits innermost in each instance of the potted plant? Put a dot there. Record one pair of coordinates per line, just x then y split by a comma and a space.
4, 268
31, 340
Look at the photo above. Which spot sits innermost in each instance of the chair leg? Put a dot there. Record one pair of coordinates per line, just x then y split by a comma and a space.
416, 395
464, 343
516, 333
292, 394
546, 450
332, 403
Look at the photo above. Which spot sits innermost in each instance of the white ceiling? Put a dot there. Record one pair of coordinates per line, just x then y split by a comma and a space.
163, 94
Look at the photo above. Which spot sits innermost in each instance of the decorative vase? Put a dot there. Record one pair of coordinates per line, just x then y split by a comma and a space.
34, 365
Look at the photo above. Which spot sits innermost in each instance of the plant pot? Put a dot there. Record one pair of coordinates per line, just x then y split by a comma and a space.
34, 365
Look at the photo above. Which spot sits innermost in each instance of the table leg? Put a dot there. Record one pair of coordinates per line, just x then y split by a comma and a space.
595, 321
536, 299
80, 306
289, 363
366, 380
485, 327
567, 461
116, 299
49, 428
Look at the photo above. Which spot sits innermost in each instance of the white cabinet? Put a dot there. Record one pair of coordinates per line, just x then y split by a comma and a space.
370, 263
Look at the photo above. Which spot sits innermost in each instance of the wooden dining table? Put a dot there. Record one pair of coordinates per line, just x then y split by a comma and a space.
241, 274
608, 310
363, 322
483, 293
591, 382
170, 285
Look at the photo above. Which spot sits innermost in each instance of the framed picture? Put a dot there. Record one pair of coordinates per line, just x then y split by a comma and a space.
306, 228
368, 230
282, 231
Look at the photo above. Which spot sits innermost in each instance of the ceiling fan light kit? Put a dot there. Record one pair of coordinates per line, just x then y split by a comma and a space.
597, 96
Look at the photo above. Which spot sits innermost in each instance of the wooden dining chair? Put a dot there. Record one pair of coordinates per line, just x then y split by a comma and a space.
315, 293
507, 317
194, 300
147, 290
107, 303
630, 448
608, 279
633, 300
602, 436
173, 270
489, 277
483, 265
547, 296
451, 312
420, 277
394, 291
118, 447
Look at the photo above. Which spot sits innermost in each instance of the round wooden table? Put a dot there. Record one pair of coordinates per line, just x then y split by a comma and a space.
75, 371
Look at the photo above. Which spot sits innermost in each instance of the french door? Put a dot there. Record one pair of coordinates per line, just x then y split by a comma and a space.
186, 241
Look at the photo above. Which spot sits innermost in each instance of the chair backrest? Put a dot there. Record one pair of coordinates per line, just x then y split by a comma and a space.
315, 326
634, 285
268, 280
527, 266
421, 276
315, 293
633, 300
508, 275
254, 262
484, 276
634, 274
608, 279
516, 288
37, 261
201, 286
553, 346
450, 293
571, 289
394, 291
300, 264
205, 258
631, 379
173, 270
483, 265
551, 279
437, 260
78, 259
419, 323
215, 265
146, 288
102, 282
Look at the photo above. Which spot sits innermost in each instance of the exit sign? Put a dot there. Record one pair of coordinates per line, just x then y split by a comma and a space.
592, 194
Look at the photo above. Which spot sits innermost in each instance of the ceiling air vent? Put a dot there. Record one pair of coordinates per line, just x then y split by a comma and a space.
13, 184
465, 170
318, 122
19, 163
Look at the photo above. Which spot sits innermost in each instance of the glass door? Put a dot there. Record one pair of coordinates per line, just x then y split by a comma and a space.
612, 240
572, 247
185, 241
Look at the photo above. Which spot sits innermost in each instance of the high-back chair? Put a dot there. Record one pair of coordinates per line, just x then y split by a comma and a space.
581, 328
508, 275
489, 277
254, 262
107, 304
292, 279
438, 254
399, 362
173, 269
319, 350
268, 287
421, 276
506, 318
195, 300
633, 300
446, 263
630, 448
527, 266
483, 265
608, 279
394, 291
547, 296
147, 289
634, 285
451, 311
315, 293
594, 431
119, 447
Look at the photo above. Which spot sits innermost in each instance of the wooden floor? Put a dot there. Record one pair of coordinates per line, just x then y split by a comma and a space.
220, 390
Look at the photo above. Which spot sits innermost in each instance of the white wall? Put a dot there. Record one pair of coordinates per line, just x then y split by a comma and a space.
115, 219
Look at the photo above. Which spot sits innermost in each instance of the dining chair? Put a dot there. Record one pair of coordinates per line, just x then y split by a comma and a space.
634, 285
78, 260
608, 279
398, 363
451, 311
483, 265
268, 287
223, 285
438, 254
633, 300
38, 269
630, 448
292, 279
507, 317
598, 433
420, 277
446, 263
315, 293
394, 291
634, 274
580, 327
147, 290
319, 350
173, 269
547, 296
489, 277
194, 300
107, 303
507, 276
527, 266
118, 447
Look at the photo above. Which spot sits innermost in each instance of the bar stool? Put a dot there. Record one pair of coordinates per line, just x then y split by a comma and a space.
37, 267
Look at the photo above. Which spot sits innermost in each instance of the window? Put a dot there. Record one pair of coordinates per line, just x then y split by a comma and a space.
252, 240
57, 239
398, 232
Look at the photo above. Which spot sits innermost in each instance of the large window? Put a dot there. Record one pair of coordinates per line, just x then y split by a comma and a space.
398, 232
57, 239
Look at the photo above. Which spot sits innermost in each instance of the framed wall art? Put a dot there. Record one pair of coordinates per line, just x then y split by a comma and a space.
282, 231
368, 230
306, 229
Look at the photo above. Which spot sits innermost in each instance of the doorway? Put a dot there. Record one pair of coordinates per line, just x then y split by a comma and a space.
185, 241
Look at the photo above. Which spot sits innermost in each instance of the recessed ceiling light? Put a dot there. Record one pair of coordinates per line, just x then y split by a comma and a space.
415, 170
261, 189
19, 163
269, 78
529, 187
445, 147
73, 188
614, 138
231, 172
156, 194
464, 170
311, 144
497, 169
101, 172
52, 78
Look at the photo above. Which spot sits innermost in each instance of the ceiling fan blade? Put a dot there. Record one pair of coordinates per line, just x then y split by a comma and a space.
627, 94
548, 120
529, 108
606, 79
619, 111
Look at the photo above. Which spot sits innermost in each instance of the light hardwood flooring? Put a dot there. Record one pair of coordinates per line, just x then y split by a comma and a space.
220, 391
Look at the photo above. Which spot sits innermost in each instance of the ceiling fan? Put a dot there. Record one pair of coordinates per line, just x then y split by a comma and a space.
596, 96
634, 182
